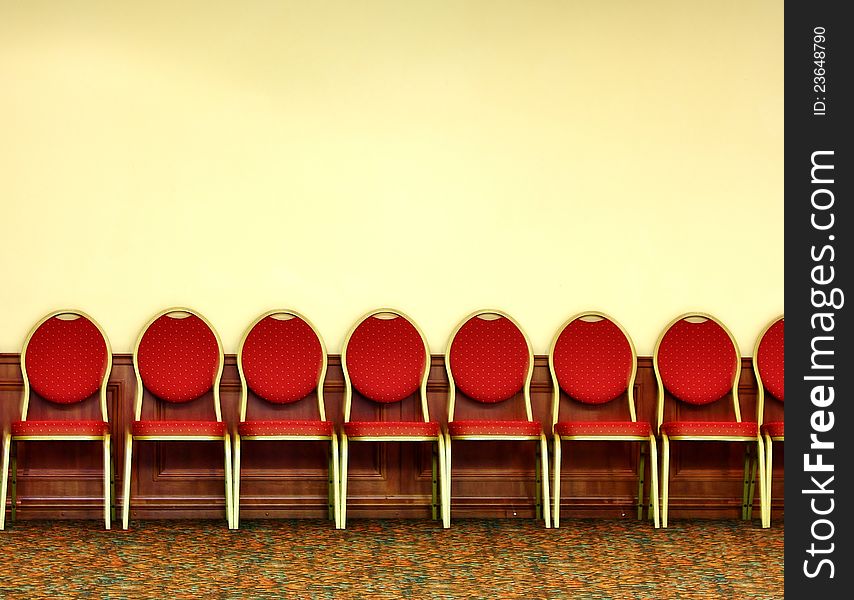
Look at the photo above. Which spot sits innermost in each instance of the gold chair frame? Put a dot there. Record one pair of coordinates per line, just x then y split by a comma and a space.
334, 474
760, 417
630, 397
9, 440
750, 466
542, 460
137, 412
437, 504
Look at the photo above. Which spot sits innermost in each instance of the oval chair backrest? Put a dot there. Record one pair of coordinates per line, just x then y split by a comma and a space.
385, 357
770, 360
697, 360
178, 356
593, 359
490, 357
66, 358
282, 357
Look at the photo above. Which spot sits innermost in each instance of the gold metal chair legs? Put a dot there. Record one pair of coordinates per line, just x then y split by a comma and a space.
7, 446
653, 486
759, 466
543, 459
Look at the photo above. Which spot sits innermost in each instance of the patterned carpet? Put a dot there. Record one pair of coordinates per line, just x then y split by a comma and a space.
392, 559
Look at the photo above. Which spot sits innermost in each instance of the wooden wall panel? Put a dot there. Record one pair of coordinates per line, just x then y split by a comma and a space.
185, 479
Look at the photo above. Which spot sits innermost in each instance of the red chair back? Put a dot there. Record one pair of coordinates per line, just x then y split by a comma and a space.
489, 358
178, 356
65, 358
593, 360
282, 358
769, 360
385, 357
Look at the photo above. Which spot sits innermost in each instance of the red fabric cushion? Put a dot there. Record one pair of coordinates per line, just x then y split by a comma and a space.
593, 360
769, 359
703, 428
66, 359
774, 428
385, 359
489, 359
603, 428
294, 427
178, 358
489, 427
51, 428
281, 359
697, 361
390, 428
159, 428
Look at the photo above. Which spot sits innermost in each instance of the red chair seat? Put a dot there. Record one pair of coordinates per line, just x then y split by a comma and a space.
170, 428
774, 429
52, 428
391, 428
710, 428
489, 427
291, 427
604, 428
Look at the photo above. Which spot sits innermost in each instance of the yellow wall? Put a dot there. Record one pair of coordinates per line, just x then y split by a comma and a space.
542, 157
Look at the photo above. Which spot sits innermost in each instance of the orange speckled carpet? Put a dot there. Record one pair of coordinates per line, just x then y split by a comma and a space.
585, 558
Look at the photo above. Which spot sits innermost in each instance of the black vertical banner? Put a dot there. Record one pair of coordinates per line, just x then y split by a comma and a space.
819, 225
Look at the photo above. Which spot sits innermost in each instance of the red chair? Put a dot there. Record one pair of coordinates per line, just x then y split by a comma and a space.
490, 361
282, 359
177, 359
593, 362
66, 360
768, 365
697, 365
386, 359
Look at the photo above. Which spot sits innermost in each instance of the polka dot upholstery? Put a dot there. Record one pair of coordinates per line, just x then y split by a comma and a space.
385, 359
697, 361
489, 359
710, 428
774, 429
66, 359
291, 427
281, 359
391, 428
492, 427
592, 361
170, 428
769, 359
178, 358
604, 428
54, 428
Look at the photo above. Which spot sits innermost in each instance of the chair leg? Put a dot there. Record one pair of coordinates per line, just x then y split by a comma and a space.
229, 486
556, 511
434, 483
235, 501
544, 454
665, 477
113, 498
107, 473
343, 484
538, 500
126, 481
747, 489
763, 489
769, 463
336, 480
13, 511
448, 480
443, 482
7, 442
653, 483
641, 466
